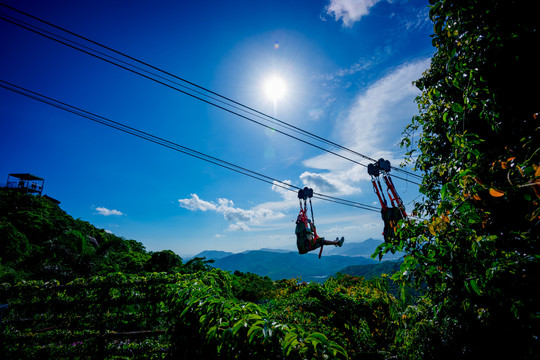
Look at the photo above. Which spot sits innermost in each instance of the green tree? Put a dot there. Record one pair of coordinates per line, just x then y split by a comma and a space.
197, 264
68, 256
252, 287
40, 241
164, 261
119, 255
478, 138
14, 246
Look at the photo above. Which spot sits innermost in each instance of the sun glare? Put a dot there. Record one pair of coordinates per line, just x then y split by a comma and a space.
275, 88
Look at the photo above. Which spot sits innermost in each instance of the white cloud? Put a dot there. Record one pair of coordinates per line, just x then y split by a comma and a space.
349, 11
372, 126
378, 115
106, 212
361, 65
319, 182
289, 198
195, 204
238, 217
239, 226
333, 183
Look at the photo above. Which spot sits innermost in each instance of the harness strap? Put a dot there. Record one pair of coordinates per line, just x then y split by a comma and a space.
376, 187
394, 195
313, 220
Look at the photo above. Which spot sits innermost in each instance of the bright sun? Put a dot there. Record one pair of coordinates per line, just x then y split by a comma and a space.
275, 87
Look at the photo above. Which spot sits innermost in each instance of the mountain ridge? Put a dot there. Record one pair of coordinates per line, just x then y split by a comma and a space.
287, 265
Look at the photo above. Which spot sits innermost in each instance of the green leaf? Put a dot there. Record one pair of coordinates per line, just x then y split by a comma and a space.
443, 191
456, 107
474, 286
338, 350
317, 337
252, 332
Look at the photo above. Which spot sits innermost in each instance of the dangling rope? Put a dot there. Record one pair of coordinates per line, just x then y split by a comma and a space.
312, 217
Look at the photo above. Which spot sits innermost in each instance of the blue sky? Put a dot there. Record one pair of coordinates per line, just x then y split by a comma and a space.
347, 66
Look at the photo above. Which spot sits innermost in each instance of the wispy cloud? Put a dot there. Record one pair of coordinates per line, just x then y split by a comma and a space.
288, 200
239, 226
106, 212
377, 113
239, 218
196, 204
349, 11
372, 126
413, 19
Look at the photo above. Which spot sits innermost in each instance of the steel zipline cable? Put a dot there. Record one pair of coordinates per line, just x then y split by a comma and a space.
183, 91
174, 146
225, 101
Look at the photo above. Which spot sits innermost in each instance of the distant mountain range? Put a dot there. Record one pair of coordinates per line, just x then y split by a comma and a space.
287, 265
365, 248
284, 264
213, 254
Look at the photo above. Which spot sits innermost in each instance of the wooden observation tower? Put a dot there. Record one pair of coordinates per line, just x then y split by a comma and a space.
27, 183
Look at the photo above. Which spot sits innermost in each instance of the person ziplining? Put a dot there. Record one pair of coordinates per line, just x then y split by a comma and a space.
391, 215
306, 232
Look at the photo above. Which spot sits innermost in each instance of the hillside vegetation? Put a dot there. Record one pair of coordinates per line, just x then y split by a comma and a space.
41, 242
77, 291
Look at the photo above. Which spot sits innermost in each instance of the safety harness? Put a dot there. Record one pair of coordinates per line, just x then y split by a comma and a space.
390, 214
308, 225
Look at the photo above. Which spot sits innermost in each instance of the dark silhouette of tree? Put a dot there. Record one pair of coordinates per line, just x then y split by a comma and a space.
476, 140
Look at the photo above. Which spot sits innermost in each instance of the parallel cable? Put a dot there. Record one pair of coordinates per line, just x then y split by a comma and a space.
236, 104
187, 93
55, 37
74, 45
172, 145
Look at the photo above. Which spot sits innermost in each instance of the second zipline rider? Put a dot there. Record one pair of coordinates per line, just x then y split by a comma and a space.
306, 232
391, 214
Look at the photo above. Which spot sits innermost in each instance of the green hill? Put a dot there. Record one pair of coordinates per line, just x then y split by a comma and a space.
41, 241
213, 254
101, 294
364, 248
372, 270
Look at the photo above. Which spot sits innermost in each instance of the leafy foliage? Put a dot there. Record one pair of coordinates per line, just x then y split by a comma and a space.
353, 312
102, 315
215, 325
164, 261
475, 245
251, 287
111, 299
40, 241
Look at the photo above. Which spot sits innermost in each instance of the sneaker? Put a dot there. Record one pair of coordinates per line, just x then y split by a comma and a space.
341, 241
